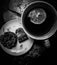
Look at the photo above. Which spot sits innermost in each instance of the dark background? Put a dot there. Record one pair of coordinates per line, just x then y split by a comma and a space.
49, 56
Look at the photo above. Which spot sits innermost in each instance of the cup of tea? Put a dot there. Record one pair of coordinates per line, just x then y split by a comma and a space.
39, 20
